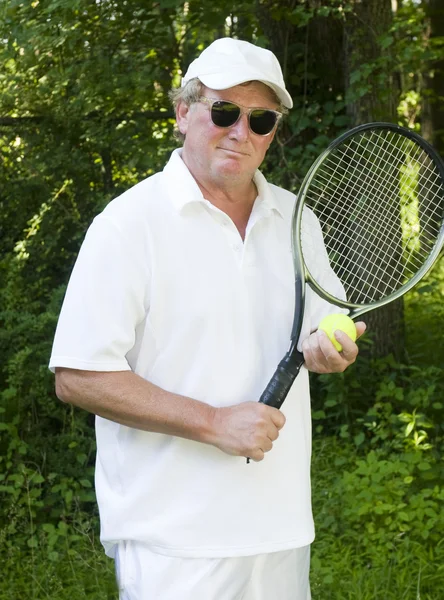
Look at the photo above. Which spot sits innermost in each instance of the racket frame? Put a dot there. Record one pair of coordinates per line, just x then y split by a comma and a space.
299, 264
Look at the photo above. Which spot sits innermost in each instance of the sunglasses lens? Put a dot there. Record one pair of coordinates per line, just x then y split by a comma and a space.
262, 122
224, 114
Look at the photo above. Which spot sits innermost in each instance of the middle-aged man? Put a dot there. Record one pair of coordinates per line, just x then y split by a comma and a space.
178, 310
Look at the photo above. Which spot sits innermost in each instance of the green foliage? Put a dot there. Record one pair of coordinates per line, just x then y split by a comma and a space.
380, 503
424, 316
379, 402
377, 468
380, 529
78, 569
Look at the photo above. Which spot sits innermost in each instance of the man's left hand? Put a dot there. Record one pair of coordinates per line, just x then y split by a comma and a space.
322, 357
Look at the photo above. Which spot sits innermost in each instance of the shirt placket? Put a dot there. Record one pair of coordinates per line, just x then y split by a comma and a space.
242, 249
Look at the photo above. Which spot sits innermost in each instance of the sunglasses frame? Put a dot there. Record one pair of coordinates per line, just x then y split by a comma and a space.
243, 110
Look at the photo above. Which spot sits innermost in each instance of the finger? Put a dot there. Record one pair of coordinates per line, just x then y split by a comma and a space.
266, 445
257, 455
312, 354
349, 348
273, 434
360, 328
277, 417
330, 355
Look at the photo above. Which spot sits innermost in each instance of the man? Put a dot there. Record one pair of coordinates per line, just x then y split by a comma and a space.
178, 310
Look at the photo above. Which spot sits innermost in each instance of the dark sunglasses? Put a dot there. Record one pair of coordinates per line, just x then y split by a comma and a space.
261, 121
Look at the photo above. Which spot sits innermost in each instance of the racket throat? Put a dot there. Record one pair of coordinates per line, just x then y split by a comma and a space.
292, 362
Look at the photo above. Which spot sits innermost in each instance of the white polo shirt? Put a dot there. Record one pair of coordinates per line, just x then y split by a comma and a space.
164, 286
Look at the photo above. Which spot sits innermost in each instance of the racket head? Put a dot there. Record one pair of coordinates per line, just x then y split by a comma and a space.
378, 194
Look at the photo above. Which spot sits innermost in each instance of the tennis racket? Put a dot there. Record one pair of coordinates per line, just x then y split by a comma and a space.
378, 194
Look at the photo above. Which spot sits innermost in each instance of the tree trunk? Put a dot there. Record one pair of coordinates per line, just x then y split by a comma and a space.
372, 93
330, 55
370, 84
432, 120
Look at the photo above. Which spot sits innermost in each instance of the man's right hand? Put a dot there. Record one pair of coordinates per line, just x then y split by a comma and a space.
248, 429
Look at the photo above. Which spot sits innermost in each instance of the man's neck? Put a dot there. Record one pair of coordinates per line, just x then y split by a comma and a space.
232, 196
237, 202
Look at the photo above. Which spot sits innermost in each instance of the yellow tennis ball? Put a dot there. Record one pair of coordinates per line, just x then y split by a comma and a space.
332, 323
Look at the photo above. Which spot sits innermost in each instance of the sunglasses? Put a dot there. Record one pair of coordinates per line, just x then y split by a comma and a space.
261, 121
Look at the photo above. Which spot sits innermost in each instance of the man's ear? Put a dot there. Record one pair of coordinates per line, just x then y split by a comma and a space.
182, 116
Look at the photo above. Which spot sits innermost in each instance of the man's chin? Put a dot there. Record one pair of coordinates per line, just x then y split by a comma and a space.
233, 167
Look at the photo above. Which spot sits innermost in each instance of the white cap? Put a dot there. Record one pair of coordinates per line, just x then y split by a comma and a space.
228, 62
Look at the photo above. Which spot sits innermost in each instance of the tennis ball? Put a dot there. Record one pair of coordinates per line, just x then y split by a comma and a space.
332, 323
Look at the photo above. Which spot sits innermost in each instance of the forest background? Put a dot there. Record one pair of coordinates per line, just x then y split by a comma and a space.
84, 115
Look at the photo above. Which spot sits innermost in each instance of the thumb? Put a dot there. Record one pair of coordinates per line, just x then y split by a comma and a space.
360, 328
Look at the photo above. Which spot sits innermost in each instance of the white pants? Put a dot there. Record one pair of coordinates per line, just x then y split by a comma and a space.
144, 575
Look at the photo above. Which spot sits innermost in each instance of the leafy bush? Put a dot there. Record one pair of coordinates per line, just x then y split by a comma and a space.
380, 531
380, 401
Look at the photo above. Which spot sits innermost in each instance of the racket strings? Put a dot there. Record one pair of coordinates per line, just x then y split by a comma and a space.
390, 175
363, 186
379, 257
378, 176
389, 232
386, 209
379, 199
378, 179
371, 186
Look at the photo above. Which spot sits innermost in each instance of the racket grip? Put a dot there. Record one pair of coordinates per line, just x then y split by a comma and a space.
282, 380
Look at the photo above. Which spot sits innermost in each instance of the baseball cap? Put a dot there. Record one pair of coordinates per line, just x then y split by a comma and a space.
228, 62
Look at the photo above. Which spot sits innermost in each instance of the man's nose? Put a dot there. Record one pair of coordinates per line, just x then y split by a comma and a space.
240, 130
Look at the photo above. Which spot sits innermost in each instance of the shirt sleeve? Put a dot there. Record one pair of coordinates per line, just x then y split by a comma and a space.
106, 298
318, 263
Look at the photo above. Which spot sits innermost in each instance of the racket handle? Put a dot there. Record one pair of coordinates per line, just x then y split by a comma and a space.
282, 380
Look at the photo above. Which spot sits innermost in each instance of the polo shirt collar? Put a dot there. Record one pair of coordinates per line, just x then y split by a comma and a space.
268, 200
184, 190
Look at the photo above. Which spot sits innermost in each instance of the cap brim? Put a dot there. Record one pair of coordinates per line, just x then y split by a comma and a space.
216, 82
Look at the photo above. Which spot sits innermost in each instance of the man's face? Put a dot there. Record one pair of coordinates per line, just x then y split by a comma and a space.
224, 157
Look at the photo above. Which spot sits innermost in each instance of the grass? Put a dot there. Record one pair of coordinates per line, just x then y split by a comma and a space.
404, 577
81, 571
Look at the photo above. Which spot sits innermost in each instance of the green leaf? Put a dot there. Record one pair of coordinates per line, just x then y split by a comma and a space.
424, 466
386, 41
409, 428
81, 458
318, 414
359, 439
37, 478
